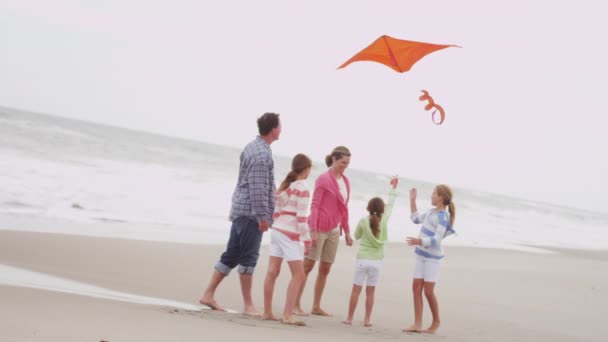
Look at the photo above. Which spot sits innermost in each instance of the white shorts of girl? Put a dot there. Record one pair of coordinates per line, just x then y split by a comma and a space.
281, 246
367, 269
426, 268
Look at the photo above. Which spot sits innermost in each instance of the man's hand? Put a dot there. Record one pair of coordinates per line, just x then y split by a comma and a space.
263, 226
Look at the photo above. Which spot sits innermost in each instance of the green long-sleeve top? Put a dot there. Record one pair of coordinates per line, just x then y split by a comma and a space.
371, 247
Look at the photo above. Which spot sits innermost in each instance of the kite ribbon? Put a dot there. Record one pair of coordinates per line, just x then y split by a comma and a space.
430, 105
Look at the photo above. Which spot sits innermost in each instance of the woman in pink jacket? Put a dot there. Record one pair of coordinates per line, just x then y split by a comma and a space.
328, 219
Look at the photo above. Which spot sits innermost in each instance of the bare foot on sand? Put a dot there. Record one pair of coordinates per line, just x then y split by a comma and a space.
348, 321
300, 312
413, 329
367, 324
320, 312
270, 317
292, 321
211, 303
431, 330
251, 311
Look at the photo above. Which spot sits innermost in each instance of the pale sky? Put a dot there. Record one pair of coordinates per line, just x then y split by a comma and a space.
524, 96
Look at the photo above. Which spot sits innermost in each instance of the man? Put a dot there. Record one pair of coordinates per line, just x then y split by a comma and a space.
251, 214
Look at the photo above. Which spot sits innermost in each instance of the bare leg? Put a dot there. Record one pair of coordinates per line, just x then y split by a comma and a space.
297, 278
274, 268
352, 305
246, 283
308, 266
369, 304
417, 285
324, 268
208, 297
429, 293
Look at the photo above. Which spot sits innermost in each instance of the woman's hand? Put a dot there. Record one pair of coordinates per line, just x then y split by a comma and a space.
413, 241
349, 240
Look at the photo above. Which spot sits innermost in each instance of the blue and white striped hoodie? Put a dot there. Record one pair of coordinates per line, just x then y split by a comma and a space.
435, 227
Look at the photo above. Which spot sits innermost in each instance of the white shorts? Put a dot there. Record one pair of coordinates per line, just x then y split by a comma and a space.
367, 269
427, 269
282, 246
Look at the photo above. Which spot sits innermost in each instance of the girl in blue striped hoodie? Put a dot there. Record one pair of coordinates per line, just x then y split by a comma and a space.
437, 224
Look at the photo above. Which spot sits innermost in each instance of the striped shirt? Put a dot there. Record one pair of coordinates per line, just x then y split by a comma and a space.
291, 211
254, 193
435, 227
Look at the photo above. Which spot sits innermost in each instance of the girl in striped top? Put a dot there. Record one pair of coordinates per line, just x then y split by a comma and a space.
436, 225
289, 228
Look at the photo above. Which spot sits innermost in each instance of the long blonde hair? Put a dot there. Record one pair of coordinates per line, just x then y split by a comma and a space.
445, 193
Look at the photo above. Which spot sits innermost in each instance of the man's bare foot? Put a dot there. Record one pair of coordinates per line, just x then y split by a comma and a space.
348, 321
251, 311
270, 317
367, 324
300, 312
431, 330
413, 329
211, 303
320, 312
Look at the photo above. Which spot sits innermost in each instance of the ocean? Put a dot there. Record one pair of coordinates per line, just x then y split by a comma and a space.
59, 175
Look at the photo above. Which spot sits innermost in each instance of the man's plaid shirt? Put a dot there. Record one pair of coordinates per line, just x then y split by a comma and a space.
254, 193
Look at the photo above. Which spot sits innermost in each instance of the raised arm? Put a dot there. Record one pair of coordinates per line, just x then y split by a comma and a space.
388, 208
416, 218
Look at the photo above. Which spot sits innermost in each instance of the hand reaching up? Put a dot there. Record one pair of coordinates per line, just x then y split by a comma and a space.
394, 181
413, 194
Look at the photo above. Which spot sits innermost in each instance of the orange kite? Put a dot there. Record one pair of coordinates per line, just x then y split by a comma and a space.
399, 55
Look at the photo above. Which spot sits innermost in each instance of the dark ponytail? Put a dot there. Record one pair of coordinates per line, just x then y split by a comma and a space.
298, 165
375, 207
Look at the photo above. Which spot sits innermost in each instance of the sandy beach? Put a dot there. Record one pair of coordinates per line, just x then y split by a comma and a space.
484, 294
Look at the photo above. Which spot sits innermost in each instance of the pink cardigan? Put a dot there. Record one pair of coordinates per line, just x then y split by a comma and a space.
329, 208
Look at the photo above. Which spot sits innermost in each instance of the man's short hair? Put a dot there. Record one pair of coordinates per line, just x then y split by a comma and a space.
267, 122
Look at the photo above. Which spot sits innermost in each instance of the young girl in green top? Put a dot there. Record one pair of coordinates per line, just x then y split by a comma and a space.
372, 231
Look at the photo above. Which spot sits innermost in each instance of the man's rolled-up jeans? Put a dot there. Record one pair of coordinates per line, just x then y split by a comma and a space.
243, 247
